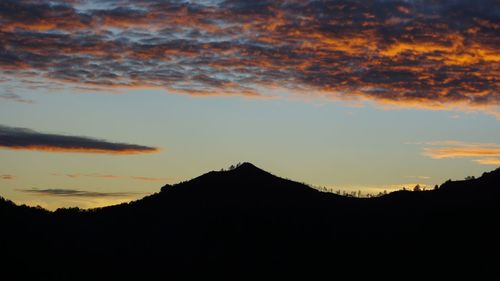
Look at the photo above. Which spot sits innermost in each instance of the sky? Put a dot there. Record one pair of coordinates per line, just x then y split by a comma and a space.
103, 102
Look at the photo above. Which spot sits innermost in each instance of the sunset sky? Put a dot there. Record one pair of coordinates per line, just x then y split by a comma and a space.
105, 101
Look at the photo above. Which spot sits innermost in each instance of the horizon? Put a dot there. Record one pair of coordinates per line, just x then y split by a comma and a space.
110, 101
235, 167
361, 192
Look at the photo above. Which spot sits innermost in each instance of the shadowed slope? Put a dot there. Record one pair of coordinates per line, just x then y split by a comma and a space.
246, 186
248, 221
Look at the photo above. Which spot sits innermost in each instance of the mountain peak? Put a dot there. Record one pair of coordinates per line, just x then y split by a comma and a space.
248, 168
241, 186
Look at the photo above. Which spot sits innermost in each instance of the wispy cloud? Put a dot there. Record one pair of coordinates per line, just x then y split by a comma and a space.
457, 152
93, 175
488, 161
429, 54
27, 139
14, 97
77, 193
113, 177
487, 153
7, 177
155, 179
419, 177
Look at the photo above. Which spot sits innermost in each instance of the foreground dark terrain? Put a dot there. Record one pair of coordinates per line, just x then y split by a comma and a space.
246, 222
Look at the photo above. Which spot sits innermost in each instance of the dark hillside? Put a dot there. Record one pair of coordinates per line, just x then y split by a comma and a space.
247, 221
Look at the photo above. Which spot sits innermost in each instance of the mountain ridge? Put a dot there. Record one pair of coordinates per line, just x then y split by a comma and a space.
247, 184
246, 221
249, 174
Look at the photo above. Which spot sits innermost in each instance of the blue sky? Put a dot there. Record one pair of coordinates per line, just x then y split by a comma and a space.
323, 143
104, 103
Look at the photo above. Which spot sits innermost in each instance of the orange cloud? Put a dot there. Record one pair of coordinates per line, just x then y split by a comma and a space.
458, 152
488, 161
425, 54
487, 153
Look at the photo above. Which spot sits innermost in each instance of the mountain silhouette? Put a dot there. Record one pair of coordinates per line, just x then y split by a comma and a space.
245, 186
247, 223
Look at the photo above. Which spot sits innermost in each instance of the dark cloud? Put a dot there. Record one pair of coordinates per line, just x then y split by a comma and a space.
433, 54
26, 139
77, 193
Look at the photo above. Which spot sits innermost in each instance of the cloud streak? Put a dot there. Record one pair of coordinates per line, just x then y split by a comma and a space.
487, 153
151, 179
114, 177
15, 98
488, 161
27, 139
430, 54
7, 177
458, 152
77, 193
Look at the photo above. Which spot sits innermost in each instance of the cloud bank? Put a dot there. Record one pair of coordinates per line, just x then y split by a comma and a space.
26, 139
431, 54
77, 193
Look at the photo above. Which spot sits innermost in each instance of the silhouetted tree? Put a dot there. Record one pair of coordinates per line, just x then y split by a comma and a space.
165, 187
417, 188
468, 178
